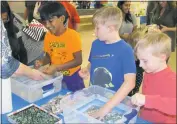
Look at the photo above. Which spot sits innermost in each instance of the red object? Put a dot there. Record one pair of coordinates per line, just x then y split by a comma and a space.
73, 14
160, 101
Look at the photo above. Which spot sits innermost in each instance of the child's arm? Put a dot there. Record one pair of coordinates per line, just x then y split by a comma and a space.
126, 87
163, 104
85, 72
123, 91
44, 61
129, 70
73, 63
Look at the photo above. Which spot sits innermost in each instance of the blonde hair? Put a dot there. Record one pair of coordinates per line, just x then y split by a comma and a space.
108, 15
137, 34
159, 42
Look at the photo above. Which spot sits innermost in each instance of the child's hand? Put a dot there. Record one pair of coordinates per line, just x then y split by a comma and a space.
50, 70
84, 73
138, 99
36, 75
100, 113
38, 64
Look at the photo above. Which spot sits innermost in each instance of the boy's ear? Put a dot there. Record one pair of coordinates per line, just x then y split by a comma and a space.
111, 28
62, 18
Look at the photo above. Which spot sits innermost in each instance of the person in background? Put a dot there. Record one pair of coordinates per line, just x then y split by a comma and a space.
157, 96
129, 19
112, 63
28, 14
74, 19
150, 11
17, 46
9, 65
133, 38
62, 46
164, 15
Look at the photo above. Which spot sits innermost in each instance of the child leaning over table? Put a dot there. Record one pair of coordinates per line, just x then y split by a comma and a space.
158, 97
112, 63
61, 45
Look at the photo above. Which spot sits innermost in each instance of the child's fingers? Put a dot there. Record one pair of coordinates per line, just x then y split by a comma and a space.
134, 100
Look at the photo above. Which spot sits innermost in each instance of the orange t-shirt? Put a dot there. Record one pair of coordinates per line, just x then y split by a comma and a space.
61, 48
73, 14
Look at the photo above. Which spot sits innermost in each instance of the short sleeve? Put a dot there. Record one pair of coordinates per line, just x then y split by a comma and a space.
128, 61
8, 64
134, 19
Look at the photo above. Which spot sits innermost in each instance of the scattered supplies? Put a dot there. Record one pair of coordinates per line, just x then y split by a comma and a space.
53, 106
78, 107
33, 114
111, 117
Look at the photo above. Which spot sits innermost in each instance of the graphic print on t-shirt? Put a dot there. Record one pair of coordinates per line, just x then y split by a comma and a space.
102, 77
57, 52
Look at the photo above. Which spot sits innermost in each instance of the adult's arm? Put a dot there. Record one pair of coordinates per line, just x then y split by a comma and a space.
8, 64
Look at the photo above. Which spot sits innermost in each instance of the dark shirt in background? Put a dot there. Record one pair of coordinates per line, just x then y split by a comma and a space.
30, 5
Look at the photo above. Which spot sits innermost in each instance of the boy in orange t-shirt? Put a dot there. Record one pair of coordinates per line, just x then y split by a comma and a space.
62, 46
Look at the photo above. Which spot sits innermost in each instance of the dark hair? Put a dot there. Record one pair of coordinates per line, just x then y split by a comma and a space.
51, 9
8, 25
128, 17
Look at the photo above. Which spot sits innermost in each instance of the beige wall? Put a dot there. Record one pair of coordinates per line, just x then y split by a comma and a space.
17, 6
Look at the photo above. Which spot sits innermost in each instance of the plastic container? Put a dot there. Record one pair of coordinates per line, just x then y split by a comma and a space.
31, 90
75, 106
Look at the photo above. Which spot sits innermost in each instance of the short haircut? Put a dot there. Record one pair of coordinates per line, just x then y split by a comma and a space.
159, 42
137, 34
51, 9
108, 15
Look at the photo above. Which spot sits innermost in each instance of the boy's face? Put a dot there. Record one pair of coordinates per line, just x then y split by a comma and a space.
149, 62
55, 25
101, 32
